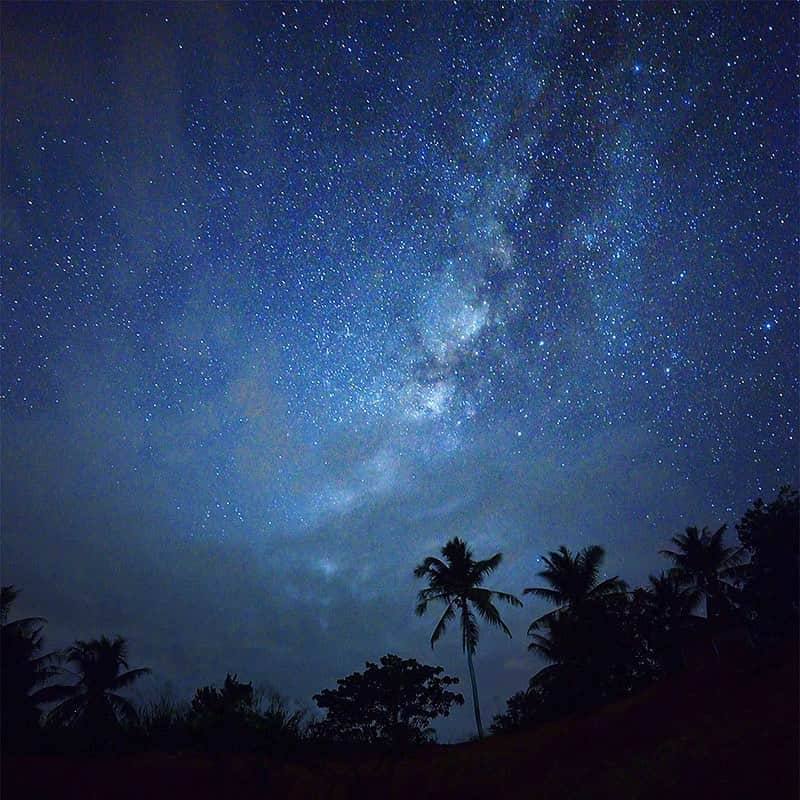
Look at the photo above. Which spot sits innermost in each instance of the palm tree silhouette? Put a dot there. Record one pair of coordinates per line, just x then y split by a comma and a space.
670, 598
23, 670
93, 702
573, 581
668, 603
703, 561
456, 581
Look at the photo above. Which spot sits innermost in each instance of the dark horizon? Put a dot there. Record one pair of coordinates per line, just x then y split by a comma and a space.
294, 295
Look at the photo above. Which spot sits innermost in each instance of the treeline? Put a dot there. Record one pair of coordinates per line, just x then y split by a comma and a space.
602, 641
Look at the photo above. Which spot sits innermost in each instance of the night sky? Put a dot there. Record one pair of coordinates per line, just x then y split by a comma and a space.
293, 294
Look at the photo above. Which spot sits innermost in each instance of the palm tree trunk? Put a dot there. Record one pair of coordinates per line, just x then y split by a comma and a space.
475, 703
712, 616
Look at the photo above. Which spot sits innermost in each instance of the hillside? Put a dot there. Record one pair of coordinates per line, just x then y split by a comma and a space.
728, 731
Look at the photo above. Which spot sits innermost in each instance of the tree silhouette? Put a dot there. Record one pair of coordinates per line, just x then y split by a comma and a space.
596, 653
667, 606
93, 704
573, 581
239, 717
457, 581
523, 709
224, 718
23, 671
394, 702
234, 698
769, 533
703, 561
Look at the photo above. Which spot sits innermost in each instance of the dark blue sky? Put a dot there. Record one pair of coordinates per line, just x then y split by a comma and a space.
294, 294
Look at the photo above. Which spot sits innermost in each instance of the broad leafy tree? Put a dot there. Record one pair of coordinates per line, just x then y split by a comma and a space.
457, 579
770, 534
392, 703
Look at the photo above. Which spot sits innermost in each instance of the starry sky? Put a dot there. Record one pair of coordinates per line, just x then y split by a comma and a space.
292, 294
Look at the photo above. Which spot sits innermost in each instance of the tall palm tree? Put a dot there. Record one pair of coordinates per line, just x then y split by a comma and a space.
93, 702
703, 561
456, 579
573, 581
24, 671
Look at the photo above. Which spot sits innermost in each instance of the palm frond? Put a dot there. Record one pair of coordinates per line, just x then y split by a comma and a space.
543, 620
449, 614
483, 568
69, 712
127, 678
8, 594
429, 564
545, 594
124, 708
426, 596
53, 694
543, 646
545, 675
511, 599
589, 561
456, 579
608, 587
482, 600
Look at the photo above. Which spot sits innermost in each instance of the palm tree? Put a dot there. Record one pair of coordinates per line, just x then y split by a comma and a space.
573, 581
593, 651
703, 561
93, 702
669, 598
456, 580
24, 671
668, 604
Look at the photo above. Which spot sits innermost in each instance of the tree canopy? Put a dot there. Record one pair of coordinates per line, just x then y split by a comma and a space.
393, 703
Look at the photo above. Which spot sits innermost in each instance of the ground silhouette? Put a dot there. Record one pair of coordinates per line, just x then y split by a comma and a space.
726, 730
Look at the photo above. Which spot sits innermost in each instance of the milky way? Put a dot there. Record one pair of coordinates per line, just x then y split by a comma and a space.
294, 293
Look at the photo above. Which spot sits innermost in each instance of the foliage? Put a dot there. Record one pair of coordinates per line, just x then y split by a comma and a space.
23, 672
665, 616
237, 717
278, 724
770, 533
703, 561
93, 705
457, 581
393, 703
596, 653
233, 699
572, 580
593, 640
163, 722
523, 710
